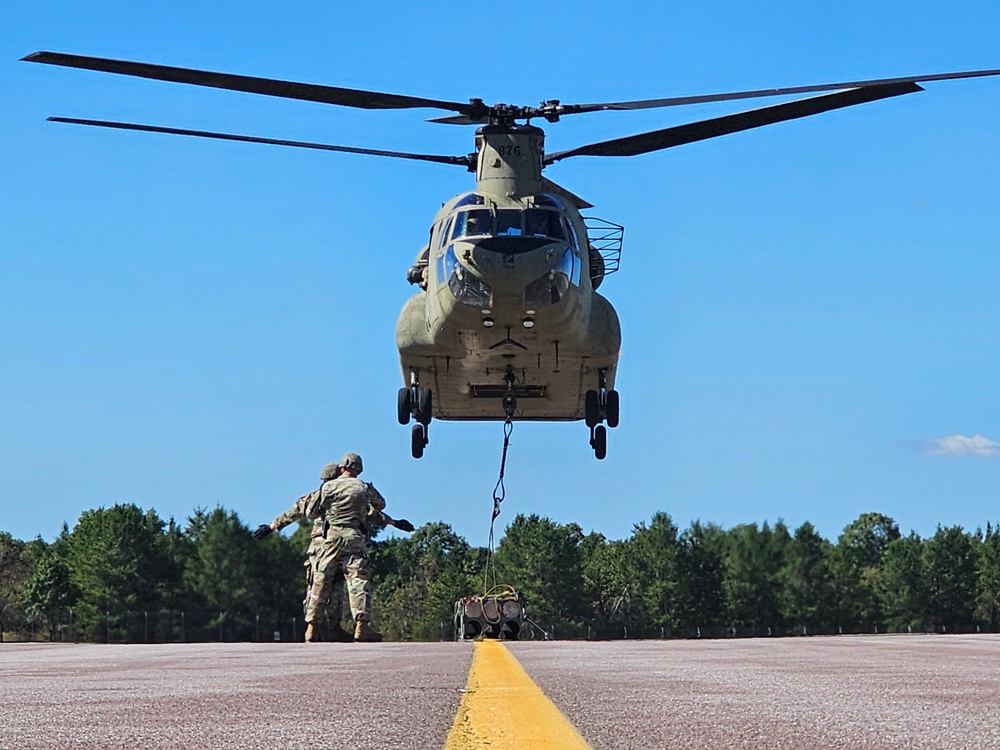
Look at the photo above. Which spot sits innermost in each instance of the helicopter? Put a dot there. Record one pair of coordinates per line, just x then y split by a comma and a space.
507, 322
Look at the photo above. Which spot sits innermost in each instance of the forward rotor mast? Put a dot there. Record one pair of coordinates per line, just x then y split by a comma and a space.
509, 160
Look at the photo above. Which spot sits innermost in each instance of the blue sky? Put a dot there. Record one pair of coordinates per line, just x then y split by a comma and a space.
810, 311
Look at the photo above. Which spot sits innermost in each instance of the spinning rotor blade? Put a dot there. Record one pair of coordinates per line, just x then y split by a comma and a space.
463, 161
553, 110
469, 113
266, 86
459, 120
697, 131
570, 109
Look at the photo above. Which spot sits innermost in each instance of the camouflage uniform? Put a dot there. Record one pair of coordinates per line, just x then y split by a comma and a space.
335, 610
342, 505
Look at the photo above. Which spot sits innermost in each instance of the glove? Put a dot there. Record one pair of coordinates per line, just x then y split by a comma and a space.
262, 532
403, 525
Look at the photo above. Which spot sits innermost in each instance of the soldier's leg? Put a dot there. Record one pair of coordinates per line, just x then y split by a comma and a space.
310, 564
327, 563
357, 571
328, 625
335, 608
319, 596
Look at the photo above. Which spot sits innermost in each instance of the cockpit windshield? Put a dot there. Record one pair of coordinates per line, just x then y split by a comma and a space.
540, 223
509, 222
476, 223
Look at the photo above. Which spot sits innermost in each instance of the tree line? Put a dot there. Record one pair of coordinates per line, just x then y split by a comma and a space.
122, 574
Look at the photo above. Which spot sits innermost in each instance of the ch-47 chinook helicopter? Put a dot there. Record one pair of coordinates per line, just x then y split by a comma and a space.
507, 322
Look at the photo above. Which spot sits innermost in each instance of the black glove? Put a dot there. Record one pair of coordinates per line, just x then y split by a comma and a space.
403, 525
262, 532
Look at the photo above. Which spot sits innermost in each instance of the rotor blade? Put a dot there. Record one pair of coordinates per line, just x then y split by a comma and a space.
697, 131
459, 120
266, 86
570, 109
458, 160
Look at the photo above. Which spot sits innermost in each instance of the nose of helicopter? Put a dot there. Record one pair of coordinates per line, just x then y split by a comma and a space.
512, 289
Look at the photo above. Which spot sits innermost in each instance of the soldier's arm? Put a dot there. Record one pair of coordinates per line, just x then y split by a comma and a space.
378, 519
305, 506
375, 499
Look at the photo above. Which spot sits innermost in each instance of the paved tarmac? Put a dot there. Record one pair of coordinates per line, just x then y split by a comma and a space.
238, 696
846, 692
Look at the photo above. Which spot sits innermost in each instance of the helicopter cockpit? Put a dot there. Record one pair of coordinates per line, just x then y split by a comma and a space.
542, 224
509, 231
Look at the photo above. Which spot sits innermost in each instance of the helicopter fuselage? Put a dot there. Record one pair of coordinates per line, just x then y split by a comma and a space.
507, 305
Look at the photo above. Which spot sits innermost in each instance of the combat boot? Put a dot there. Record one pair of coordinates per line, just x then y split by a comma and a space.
365, 633
312, 635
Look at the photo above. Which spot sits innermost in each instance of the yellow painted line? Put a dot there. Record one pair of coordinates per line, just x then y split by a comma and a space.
502, 708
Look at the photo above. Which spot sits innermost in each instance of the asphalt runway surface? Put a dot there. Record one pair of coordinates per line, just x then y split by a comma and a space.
839, 692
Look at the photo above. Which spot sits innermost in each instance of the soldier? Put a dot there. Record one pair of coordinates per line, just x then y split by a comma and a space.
342, 504
334, 615
375, 521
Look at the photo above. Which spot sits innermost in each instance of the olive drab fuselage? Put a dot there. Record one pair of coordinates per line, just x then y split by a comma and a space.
507, 300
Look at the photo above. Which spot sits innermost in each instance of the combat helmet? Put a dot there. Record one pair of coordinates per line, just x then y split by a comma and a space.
352, 461
330, 471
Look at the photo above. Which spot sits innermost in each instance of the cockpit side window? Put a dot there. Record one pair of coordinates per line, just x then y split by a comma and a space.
445, 228
571, 232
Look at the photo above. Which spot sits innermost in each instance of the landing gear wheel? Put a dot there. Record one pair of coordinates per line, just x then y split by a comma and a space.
418, 439
424, 404
591, 409
600, 442
404, 405
611, 408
